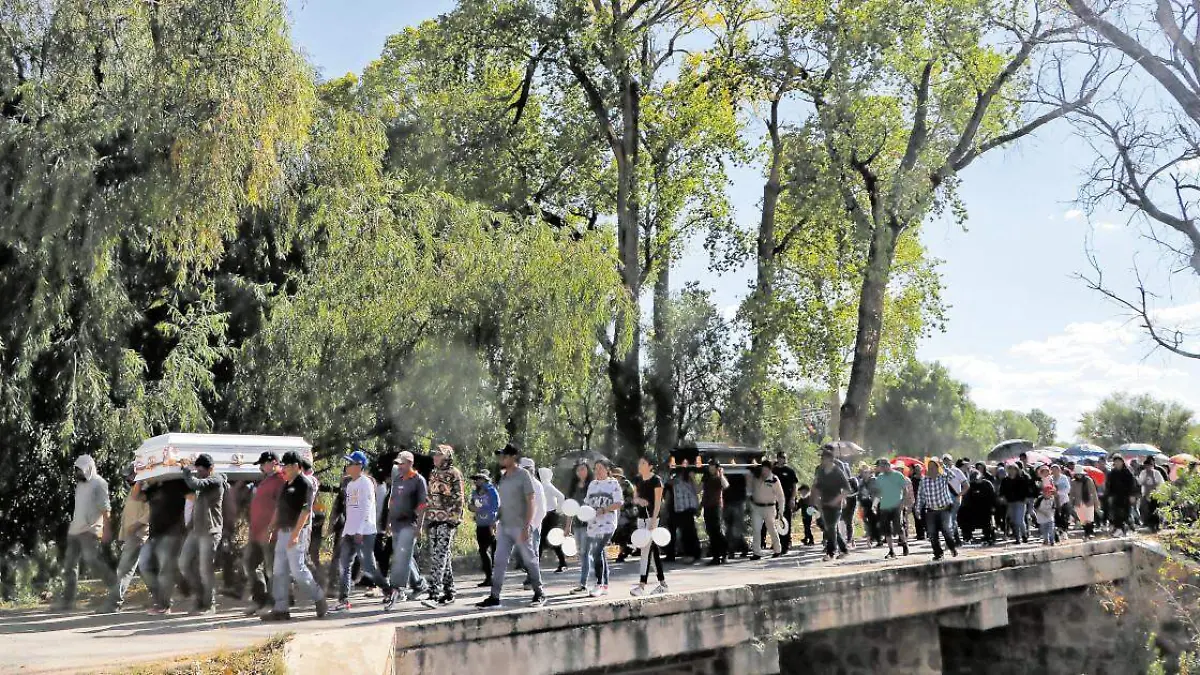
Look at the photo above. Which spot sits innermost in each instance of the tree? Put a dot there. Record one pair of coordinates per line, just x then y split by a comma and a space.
1152, 142
1046, 426
920, 414
134, 149
1014, 424
1125, 418
904, 101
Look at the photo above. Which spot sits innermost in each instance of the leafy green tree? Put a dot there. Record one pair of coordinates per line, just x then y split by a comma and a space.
134, 148
920, 414
1046, 426
1127, 418
1013, 424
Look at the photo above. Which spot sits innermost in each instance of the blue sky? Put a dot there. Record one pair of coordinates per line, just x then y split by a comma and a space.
1022, 331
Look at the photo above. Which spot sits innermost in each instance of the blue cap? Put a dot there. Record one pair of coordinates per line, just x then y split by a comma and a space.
357, 457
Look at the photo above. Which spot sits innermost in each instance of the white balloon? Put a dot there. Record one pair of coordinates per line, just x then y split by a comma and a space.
641, 538
569, 547
555, 537
586, 513
569, 508
661, 536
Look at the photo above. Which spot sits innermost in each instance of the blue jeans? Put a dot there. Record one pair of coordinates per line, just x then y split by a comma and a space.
158, 565
134, 556
954, 517
366, 554
596, 546
404, 562
291, 564
507, 539
582, 542
201, 547
1016, 516
938, 522
1046, 530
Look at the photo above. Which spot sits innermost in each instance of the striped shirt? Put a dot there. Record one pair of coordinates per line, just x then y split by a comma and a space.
934, 493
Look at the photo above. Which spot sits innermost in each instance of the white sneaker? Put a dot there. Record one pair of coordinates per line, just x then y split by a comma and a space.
599, 591
660, 589
638, 590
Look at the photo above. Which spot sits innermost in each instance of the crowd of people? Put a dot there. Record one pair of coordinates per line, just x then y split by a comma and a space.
177, 533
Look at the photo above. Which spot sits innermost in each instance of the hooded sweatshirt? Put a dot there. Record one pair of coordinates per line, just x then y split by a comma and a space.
208, 516
91, 500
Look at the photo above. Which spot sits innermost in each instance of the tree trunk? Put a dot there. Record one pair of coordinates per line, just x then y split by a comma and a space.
663, 390
853, 423
762, 334
624, 370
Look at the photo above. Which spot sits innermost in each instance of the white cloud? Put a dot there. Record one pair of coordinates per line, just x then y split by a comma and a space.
1067, 373
1189, 166
1107, 226
1073, 214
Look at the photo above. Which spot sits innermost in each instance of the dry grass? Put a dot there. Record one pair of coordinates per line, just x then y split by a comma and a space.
261, 659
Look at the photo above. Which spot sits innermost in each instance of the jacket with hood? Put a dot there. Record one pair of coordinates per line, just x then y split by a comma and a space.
91, 499
208, 516
446, 497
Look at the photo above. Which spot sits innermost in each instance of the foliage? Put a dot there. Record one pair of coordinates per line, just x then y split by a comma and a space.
1046, 426
1126, 418
266, 658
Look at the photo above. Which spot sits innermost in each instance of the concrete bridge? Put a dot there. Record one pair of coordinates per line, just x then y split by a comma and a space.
795, 614
844, 620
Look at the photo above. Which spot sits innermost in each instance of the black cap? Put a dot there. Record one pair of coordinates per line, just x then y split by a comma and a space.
204, 460
267, 456
713, 461
293, 458
510, 450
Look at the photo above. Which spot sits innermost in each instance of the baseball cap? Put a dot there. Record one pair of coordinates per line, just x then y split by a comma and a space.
291, 458
267, 456
881, 462
204, 460
357, 457
527, 463
404, 456
510, 450
480, 476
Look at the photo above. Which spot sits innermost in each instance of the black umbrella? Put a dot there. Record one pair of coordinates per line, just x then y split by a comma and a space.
1009, 450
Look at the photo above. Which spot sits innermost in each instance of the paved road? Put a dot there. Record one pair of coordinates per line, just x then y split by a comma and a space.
43, 641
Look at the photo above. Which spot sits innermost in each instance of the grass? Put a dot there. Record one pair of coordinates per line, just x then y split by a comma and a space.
261, 659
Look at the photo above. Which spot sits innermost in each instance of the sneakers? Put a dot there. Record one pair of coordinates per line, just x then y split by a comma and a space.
527, 585
539, 600
638, 591
891, 555
203, 611
341, 606
274, 616
158, 610
953, 553
579, 589
486, 583
755, 556
489, 601
599, 591
660, 589
389, 600
323, 607
447, 599
843, 554
828, 557
561, 569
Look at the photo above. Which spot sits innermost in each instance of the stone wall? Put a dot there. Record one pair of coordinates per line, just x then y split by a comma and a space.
904, 647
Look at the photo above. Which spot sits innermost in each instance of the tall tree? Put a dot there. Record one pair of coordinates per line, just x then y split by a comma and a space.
904, 101
1046, 426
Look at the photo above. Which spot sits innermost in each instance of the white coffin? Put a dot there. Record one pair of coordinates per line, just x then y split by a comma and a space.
234, 455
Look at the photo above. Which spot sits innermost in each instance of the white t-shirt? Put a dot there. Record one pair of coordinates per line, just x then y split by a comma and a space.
602, 494
957, 478
554, 498
539, 503
360, 507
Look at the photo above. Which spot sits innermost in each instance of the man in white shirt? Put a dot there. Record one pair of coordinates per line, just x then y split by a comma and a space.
958, 485
358, 534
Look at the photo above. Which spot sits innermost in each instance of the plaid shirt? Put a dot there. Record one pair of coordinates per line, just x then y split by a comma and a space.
934, 493
685, 493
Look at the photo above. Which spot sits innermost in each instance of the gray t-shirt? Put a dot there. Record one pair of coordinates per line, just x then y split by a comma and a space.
515, 488
408, 496
91, 501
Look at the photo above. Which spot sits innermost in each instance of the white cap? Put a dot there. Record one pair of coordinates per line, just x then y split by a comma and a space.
526, 463
404, 456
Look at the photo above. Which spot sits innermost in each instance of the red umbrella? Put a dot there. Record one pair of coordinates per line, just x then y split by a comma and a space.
1096, 474
907, 461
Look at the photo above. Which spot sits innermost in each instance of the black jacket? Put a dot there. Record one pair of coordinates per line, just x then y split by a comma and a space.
1120, 484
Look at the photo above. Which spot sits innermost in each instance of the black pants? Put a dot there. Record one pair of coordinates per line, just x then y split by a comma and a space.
549, 523
716, 538
870, 521
919, 520
689, 538
487, 549
808, 523
734, 516
848, 518
788, 512
830, 517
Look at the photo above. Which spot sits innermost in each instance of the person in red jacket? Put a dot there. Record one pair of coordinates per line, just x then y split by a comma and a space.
259, 556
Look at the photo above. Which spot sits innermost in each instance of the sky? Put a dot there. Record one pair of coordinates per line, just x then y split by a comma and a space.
1023, 330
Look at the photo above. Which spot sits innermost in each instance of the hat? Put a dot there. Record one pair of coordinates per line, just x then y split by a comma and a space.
267, 456
444, 450
480, 476
527, 463
204, 460
881, 461
291, 458
357, 457
510, 450
404, 456
947, 458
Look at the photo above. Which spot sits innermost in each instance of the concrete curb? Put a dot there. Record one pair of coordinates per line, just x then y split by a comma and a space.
369, 650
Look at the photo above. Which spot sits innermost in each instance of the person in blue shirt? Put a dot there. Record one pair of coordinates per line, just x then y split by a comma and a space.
485, 504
